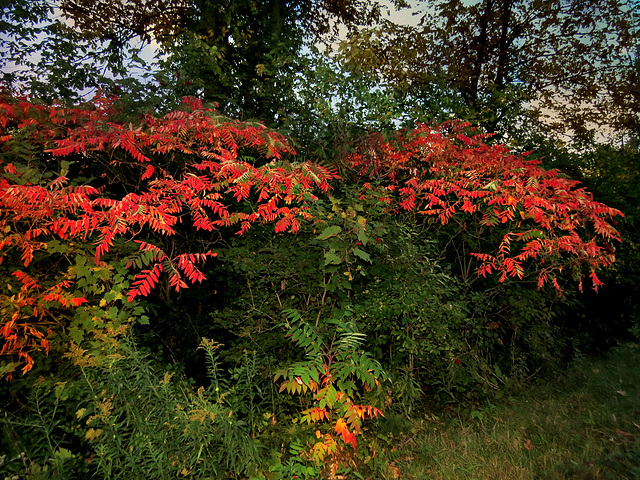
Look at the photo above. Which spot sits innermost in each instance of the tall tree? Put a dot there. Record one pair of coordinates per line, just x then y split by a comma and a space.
44, 56
242, 54
570, 62
239, 54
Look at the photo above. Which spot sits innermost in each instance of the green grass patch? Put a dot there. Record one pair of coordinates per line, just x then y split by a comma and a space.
584, 425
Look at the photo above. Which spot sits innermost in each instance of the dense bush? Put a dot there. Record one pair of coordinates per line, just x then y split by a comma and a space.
191, 301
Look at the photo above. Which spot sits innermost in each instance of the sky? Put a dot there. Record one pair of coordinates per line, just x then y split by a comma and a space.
404, 16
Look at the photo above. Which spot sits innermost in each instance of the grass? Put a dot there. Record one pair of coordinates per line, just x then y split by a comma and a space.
585, 425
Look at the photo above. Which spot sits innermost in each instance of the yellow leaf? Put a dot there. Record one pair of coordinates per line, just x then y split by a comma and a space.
341, 426
93, 433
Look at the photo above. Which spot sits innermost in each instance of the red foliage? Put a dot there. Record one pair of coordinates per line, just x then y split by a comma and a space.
333, 406
187, 170
445, 174
207, 171
23, 329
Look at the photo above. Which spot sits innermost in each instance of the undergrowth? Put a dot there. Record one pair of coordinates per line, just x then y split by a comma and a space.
583, 425
130, 421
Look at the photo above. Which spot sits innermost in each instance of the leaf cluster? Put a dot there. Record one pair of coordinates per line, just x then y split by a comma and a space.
197, 172
445, 173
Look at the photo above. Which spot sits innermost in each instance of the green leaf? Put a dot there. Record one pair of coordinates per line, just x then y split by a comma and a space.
362, 254
363, 237
55, 246
76, 334
6, 368
64, 167
329, 232
526, 236
330, 258
331, 396
493, 186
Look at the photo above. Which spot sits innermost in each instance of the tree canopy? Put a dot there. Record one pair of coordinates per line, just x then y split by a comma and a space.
572, 63
238, 54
